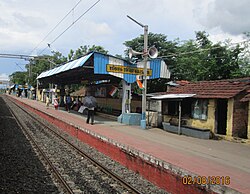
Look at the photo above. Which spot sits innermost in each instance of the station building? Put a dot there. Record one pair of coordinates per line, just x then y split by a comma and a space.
208, 107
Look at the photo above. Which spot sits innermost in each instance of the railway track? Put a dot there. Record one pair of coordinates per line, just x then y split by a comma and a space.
91, 176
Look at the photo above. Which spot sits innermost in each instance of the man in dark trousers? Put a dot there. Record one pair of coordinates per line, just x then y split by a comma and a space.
68, 102
90, 103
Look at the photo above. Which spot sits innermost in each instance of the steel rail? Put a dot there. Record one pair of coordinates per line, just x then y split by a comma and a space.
83, 154
58, 176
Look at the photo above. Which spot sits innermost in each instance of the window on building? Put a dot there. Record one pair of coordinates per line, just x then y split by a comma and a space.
199, 109
173, 108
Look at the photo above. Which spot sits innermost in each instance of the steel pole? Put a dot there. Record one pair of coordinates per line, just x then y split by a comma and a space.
144, 92
145, 57
179, 122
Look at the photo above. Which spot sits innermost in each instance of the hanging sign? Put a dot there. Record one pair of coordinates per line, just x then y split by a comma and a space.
127, 70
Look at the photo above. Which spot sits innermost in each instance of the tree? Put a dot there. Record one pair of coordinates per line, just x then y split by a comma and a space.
43, 63
201, 60
18, 77
164, 47
58, 58
197, 59
244, 62
83, 50
160, 41
70, 55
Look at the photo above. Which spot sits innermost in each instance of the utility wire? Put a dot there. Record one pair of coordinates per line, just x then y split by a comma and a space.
19, 66
71, 25
57, 25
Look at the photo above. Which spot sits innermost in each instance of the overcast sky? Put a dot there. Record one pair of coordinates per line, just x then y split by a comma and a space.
24, 24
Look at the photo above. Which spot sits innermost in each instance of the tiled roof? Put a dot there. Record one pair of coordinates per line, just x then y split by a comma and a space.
212, 89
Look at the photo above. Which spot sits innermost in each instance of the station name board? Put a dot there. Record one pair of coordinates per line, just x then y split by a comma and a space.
127, 70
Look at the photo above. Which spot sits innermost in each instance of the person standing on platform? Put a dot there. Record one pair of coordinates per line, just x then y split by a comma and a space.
47, 101
68, 102
90, 103
56, 103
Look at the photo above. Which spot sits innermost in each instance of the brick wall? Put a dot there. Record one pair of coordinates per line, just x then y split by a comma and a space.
240, 117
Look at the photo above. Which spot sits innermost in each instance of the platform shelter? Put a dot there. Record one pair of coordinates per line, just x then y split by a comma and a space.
95, 67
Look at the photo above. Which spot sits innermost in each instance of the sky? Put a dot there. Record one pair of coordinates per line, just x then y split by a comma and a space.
25, 25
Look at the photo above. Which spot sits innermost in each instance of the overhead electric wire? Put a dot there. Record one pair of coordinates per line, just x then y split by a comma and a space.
71, 25
19, 66
57, 25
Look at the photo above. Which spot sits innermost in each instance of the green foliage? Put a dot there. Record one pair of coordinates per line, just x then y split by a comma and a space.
164, 47
118, 56
201, 60
58, 58
244, 62
202, 39
83, 50
19, 77
196, 60
160, 41
37, 66
43, 63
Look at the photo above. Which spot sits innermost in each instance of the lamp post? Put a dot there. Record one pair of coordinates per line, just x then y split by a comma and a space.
145, 58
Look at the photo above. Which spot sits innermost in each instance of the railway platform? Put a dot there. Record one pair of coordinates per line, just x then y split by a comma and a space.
176, 163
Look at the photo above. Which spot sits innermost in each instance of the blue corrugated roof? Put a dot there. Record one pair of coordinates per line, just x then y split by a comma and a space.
68, 66
158, 67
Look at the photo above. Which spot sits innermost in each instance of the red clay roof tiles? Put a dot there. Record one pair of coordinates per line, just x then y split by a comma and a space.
212, 89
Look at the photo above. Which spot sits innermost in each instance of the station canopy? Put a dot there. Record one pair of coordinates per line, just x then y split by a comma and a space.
172, 96
96, 66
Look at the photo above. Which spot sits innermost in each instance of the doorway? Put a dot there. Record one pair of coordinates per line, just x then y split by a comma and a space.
221, 116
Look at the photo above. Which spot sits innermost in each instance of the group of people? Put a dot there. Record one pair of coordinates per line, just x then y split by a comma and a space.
89, 103
55, 102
